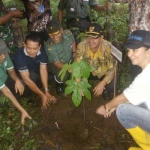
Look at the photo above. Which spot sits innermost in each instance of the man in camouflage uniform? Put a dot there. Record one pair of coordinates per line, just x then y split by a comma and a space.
97, 53
139, 20
38, 15
6, 26
59, 48
77, 13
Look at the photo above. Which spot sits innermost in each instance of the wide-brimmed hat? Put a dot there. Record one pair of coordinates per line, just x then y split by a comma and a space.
3, 47
137, 39
94, 30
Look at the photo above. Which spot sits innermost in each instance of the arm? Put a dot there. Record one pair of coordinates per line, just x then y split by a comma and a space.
8, 94
16, 13
112, 104
18, 85
60, 16
74, 49
58, 64
44, 79
26, 78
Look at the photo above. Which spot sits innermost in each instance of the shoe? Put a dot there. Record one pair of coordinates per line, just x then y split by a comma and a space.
141, 137
106, 95
59, 88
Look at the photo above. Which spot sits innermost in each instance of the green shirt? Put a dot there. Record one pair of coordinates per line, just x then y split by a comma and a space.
61, 51
76, 8
6, 65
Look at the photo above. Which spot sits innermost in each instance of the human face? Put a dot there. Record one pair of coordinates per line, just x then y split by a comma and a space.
140, 56
94, 43
32, 48
3, 57
56, 37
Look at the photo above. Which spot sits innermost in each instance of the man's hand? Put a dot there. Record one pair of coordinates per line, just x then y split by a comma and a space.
16, 13
45, 101
98, 90
19, 87
50, 97
24, 115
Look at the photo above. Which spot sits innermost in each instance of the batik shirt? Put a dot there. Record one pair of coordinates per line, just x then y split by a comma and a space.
102, 60
38, 14
6, 31
139, 14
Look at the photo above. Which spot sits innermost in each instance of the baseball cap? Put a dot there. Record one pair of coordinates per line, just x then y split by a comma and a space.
53, 27
94, 30
3, 47
137, 39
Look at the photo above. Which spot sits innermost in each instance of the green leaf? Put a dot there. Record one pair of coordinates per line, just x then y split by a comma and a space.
84, 64
85, 73
77, 72
69, 89
85, 90
74, 65
76, 97
87, 93
64, 69
70, 82
85, 84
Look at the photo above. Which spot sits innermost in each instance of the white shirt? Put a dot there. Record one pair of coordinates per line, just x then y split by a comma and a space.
139, 91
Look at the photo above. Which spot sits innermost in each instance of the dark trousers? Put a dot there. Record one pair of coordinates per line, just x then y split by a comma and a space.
55, 71
109, 87
78, 25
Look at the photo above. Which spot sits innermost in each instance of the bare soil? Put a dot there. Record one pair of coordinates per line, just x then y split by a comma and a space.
66, 127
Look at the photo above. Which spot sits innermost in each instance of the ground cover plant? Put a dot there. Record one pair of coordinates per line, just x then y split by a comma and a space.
64, 126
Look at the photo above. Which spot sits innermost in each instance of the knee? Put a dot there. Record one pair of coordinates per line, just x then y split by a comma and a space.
121, 110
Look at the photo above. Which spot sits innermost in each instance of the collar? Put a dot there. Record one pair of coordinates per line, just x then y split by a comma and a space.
25, 51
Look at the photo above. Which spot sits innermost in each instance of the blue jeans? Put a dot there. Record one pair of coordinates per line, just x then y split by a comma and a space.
131, 116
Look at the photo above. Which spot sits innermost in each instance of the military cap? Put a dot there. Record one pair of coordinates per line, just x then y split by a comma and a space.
53, 27
94, 30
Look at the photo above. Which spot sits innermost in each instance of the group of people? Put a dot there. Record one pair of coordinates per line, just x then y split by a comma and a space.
61, 46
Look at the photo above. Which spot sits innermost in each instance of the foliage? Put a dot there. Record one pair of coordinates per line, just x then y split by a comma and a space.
78, 84
12, 133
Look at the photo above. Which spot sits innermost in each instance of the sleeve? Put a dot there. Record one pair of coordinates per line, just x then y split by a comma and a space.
20, 63
110, 64
138, 91
62, 4
9, 63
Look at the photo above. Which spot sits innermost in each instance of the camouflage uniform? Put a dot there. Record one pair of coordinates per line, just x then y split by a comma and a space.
61, 51
6, 31
102, 60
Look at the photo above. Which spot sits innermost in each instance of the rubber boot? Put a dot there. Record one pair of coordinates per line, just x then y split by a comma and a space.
134, 148
141, 137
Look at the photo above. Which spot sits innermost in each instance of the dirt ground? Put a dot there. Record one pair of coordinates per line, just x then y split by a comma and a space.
66, 127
